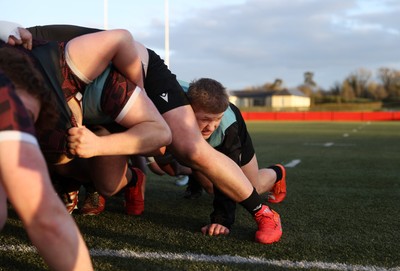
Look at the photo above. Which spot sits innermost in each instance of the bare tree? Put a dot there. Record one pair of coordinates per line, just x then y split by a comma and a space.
390, 79
347, 92
358, 81
376, 91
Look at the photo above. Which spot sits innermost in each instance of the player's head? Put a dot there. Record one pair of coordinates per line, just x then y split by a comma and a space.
209, 101
29, 85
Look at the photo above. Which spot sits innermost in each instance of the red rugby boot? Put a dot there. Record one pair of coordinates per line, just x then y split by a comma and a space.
269, 226
134, 195
94, 204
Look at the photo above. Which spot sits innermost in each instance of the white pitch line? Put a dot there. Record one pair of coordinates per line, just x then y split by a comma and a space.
293, 163
18, 248
125, 253
330, 144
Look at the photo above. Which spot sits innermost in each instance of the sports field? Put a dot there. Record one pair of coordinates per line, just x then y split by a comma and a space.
342, 211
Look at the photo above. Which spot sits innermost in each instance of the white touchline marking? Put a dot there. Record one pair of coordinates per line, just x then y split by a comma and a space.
328, 144
293, 163
345, 135
125, 253
18, 248
344, 145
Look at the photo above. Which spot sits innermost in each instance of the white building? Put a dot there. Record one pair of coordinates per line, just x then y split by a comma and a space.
277, 99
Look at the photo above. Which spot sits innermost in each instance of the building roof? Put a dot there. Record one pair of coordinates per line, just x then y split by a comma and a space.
265, 93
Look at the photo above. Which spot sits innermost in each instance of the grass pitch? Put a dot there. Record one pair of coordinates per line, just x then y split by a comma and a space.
341, 212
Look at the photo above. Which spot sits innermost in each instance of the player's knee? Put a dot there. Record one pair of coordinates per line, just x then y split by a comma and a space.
48, 228
192, 154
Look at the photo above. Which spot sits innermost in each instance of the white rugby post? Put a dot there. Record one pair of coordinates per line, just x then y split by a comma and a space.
105, 14
166, 10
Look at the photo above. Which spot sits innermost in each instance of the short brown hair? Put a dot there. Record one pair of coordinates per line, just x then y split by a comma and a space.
19, 68
208, 95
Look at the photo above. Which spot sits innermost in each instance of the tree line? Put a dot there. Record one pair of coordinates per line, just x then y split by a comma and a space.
357, 87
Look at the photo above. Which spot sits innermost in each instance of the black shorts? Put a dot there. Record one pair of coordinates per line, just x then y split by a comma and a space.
161, 85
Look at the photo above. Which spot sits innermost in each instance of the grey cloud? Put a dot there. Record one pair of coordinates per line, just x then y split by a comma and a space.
254, 43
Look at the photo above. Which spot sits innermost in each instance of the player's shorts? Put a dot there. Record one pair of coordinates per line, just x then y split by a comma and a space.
161, 85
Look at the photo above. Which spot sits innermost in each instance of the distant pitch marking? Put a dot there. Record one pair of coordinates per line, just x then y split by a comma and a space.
293, 163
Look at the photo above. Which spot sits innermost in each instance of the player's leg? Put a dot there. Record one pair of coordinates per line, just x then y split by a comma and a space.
271, 179
262, 179
135, 191
278, 191
109, 174
189, 146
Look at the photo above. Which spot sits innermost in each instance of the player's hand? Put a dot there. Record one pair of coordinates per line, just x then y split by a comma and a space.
25, 39
215, 229
82, 142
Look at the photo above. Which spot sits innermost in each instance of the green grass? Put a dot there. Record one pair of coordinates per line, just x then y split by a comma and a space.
342, 207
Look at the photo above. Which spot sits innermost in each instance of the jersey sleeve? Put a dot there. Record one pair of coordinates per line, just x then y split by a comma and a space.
247, 148
59, 32
231, 145
119, 95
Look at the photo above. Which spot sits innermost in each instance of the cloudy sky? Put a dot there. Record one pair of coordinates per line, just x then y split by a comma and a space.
243, 43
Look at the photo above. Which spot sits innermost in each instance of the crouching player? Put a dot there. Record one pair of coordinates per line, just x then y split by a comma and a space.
24, 178
222, 125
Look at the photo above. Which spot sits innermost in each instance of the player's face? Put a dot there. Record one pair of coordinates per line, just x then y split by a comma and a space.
31, 104
208, 122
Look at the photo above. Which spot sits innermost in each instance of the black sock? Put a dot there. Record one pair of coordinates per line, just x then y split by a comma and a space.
253, 203
278, 172
133, 179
